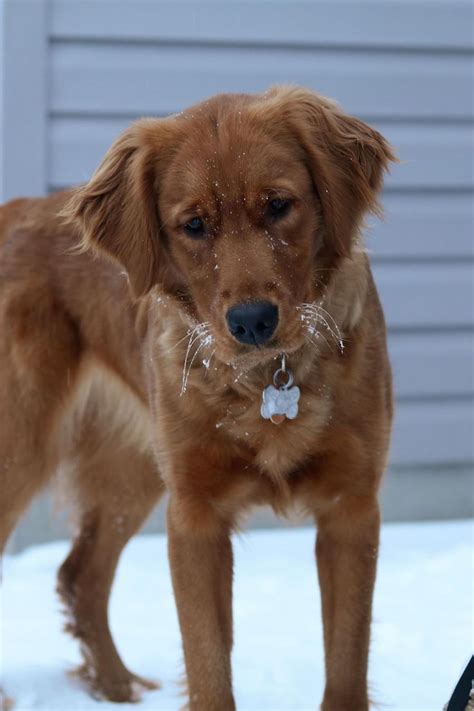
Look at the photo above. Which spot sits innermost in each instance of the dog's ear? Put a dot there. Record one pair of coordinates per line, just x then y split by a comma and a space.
117, 210
347, 160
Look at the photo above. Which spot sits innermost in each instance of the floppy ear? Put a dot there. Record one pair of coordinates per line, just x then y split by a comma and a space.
117, 210
346, 158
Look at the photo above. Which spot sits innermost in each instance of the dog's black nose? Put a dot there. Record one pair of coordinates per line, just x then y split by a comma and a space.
253, 323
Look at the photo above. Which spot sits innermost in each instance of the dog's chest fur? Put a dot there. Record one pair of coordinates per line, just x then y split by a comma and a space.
220, 410
282, 449
232, 415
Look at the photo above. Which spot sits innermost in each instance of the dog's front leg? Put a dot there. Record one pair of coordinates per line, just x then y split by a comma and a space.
200, 553
347, 546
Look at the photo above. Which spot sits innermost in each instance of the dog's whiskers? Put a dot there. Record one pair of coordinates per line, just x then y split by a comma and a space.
204, 342
313, 314
313, 333
319, 308
317, 311
203, 337
337, 337
197, 333
207, 361
187, 335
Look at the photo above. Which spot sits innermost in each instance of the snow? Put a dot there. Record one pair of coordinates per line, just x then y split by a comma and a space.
422, 632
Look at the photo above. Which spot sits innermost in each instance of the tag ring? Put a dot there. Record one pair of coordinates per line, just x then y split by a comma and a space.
276, 376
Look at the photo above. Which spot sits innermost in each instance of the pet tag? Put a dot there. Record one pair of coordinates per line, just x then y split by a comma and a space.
280, 400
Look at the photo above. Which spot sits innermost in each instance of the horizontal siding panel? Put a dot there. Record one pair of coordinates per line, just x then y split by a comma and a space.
432, 365
160, 79
409, 23
433, 433
434, 156
420, 226
426, 295
431, 156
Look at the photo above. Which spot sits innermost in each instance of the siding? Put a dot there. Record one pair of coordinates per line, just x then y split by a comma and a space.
406, 66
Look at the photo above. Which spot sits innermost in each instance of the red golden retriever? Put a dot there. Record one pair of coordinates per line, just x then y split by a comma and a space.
201, 317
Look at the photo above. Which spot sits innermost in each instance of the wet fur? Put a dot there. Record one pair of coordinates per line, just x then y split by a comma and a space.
106, 377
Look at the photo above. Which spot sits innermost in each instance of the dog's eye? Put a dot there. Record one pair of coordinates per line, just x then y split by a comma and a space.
195, 228
278, 207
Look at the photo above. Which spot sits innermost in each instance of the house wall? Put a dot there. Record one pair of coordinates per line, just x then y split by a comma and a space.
76, 72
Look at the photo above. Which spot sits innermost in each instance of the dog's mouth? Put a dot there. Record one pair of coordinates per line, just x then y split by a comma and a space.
209, 345
259, 355
245, 358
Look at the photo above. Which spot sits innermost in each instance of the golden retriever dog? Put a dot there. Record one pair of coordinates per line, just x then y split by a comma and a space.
201, 318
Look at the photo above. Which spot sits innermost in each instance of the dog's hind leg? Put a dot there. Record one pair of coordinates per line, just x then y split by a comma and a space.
39, 354
39, 357
116, 491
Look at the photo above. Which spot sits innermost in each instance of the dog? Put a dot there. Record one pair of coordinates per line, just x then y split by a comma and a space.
201, 318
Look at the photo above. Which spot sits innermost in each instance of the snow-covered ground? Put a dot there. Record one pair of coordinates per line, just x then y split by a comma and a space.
422, 632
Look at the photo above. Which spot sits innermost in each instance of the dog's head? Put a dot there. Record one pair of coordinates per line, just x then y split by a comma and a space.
237, 207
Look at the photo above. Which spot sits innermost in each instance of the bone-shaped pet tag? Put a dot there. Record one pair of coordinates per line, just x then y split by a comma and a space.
280, 401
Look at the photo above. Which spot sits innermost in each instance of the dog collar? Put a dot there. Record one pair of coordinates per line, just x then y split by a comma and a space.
280, 400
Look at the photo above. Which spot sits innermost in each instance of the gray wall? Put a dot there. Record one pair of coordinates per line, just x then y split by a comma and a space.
76, 72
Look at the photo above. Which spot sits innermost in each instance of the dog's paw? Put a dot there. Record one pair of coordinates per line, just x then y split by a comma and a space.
124, 687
